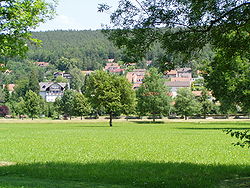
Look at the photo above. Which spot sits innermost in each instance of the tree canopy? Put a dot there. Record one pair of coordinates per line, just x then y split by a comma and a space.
110, 93
178, 25
153, 95
18, 17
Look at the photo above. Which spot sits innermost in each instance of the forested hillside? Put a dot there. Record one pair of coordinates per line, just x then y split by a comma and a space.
87, 49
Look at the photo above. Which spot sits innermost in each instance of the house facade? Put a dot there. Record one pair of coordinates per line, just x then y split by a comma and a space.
49, 91
136, 77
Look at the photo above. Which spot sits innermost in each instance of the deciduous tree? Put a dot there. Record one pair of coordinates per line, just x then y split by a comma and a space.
33, 104
110, 93
153, 95
185, 103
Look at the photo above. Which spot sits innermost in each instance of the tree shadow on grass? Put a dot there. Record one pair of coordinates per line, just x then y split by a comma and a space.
118, 173
148, 122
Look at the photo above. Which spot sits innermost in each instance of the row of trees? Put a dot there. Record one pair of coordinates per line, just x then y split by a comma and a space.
105, 93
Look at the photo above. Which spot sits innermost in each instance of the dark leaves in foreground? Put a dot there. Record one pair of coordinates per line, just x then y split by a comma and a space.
243, 136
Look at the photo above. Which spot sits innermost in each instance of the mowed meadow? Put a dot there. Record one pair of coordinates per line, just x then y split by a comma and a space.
129, 154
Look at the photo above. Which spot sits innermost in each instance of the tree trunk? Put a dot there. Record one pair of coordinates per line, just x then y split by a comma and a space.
81, 117
70, 117
205, 116
110, 119
154, 117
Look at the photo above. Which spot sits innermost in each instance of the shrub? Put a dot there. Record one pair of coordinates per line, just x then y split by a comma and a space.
4, 110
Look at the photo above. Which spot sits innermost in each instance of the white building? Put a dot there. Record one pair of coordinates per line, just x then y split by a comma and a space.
51, 90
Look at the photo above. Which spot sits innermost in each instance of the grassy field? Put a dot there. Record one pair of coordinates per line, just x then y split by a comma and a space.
130, 154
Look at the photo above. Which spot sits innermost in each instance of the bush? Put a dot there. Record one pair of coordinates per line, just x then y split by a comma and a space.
4, 110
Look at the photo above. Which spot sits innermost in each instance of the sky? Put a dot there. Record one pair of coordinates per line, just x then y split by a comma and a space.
78, 15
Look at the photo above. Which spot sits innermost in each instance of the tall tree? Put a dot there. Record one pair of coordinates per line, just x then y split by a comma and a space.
18, 17
185, 103
110, 93
67, 103
33, 104
153, 95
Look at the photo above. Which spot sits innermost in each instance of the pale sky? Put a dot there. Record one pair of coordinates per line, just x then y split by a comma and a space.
78, 15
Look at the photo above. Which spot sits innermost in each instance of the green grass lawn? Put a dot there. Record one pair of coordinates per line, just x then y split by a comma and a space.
130, 154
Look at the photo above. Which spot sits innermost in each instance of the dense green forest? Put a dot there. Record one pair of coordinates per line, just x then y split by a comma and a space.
84, 49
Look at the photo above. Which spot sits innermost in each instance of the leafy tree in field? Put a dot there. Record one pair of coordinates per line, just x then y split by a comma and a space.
205, 103
81, 105
185, 103
67, 103
33, 104
77, 80
110, 93
153, 95
18, 17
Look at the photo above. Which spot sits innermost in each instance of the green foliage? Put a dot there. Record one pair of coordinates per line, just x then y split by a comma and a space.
243, 136
57, 107
18, 17
153, 96
65, 50
20, 107
110, 93
185, 103
77, 80
206, 103
33, 104
67, 105
138, 25
33, 83
81, 105
228, 78
60, 79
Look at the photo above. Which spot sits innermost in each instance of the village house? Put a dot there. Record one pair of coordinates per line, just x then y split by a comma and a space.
136, 77
114, 68
49, 91
175, 85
